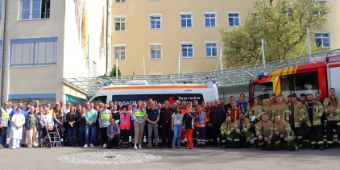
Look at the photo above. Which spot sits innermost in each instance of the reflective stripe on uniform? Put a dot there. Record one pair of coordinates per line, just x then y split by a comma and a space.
320, 142
104, 116
5, 115
139, 114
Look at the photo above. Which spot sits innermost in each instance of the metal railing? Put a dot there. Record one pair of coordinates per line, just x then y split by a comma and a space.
228, 77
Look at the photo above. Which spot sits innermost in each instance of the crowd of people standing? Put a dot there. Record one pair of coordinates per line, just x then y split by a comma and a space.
271, 123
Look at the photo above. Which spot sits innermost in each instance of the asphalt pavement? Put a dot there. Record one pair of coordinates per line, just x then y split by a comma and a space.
182, 159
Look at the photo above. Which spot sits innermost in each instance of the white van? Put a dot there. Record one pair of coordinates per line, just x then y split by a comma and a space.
159, 92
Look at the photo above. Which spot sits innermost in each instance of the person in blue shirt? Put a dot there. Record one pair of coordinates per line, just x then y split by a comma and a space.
113, 134
243, 105
90, 128
25, 113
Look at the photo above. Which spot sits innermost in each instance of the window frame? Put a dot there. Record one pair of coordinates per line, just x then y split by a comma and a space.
205, 48
30, 15
125, 22
239, 18
161, 49
35, 41
193, 49
120, 1
204, 19
160, 20
191, 18
322, 39
114, 51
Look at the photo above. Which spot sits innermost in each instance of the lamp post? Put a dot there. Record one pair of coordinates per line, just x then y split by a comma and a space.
263, 53
4, 70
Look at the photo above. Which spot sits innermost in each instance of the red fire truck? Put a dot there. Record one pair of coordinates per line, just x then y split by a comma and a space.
315, 78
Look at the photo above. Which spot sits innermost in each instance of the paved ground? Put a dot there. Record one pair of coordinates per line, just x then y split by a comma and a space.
197, 159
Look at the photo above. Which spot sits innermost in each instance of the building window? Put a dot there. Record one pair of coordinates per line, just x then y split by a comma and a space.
234, 19
33, 51
210, 19
120, 52
120, 1
34, 9
187, 50
211, 49
323, 3
186, 20
155, 22
322, 40
120, 23
156, 51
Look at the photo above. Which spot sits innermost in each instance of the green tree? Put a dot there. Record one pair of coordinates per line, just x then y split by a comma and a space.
283, 24
113, 72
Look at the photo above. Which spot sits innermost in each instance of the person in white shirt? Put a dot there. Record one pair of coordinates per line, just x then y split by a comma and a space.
17, 123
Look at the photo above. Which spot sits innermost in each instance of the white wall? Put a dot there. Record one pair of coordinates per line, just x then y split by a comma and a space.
76, 62
34, 79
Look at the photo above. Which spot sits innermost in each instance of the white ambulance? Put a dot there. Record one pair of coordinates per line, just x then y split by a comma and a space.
159, 92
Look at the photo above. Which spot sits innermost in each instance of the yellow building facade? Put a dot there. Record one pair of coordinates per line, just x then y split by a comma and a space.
176, 27
149, 36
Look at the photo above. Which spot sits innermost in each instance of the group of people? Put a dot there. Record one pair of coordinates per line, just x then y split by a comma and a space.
269, 123
276, 123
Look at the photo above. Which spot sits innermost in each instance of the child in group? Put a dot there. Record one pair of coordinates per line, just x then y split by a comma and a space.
176, 126
17, 123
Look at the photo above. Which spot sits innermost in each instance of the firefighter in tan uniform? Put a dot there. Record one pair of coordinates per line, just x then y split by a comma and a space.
332, 110
298, 119
254, 117
227, 133
281, 108
268, 108
264, 130
243, 135
315, 111
282, 135
255, 111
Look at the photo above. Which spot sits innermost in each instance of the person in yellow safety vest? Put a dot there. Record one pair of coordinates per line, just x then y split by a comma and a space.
104, 121
139, 116
298, 119
4, 123
282, 135
332, 110
315, 111
263, 130
227, 133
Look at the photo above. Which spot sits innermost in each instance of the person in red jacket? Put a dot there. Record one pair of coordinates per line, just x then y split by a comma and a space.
234, 111
188, 126
200, 123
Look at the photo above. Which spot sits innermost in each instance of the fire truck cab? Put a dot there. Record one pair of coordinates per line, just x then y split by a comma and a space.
315, 78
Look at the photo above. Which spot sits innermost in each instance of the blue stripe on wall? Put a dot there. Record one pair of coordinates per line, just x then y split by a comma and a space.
31, 40
32, 96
